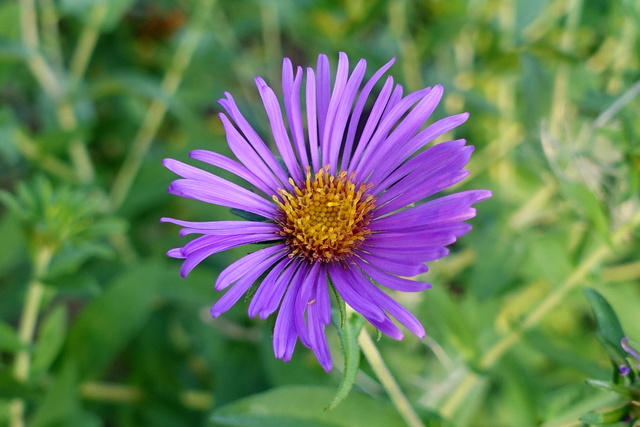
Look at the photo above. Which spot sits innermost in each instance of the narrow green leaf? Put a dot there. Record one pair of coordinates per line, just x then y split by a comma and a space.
50, 340
349, 340
114, 318
606, 318
295, 406
61, 405
614, 388
605, 418
249, 216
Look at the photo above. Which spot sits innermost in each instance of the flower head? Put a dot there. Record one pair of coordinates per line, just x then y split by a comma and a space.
341, 204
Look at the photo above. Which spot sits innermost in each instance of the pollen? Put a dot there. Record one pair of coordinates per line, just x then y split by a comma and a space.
325, 218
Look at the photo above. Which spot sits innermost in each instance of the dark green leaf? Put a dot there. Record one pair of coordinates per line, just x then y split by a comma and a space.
249, 216
9, 340
304, 406
607, 320
114, 318
50, 339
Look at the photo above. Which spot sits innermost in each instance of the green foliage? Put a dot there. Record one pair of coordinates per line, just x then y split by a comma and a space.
297, 405
92, 101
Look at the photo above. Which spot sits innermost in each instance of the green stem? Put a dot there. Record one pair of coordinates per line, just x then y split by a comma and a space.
87, 41
50, 34
158, 108
119, 393
54, 89
28, 321
390, 385
552, 300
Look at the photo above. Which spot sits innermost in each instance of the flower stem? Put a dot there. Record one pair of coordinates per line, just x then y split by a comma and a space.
28, 320
390, 385
158, 108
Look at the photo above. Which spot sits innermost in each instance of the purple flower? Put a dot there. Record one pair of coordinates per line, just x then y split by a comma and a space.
340, 204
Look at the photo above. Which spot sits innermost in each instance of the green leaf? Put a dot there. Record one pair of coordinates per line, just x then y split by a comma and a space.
607, 320
61, 405
9, 340
114, 318
50, 340
606, 418
349, 340
614, 388
590, 205
304, 406
249, 216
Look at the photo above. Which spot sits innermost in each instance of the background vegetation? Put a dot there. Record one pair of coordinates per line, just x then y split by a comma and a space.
94, 93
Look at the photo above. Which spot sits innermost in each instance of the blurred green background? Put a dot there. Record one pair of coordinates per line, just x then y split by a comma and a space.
95, 93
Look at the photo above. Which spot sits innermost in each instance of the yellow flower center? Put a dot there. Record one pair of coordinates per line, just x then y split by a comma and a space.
326, 218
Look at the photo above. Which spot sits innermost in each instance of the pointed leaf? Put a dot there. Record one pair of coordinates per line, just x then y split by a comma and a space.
606, 318
349, 339
605, 418
295, 406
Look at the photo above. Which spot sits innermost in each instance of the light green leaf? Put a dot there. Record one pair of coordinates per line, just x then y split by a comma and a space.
590, 205
605, 418
304, 406
614, 388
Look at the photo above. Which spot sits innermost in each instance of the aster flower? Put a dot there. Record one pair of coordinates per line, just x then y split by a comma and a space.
340, 204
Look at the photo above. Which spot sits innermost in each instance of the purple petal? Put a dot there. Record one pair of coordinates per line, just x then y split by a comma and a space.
443, 171
338, 114
241, 287
253, 141
417, 254
202, 247
291, 95
432, 132
343, 281
452, 208
312, 124
280, 135
323, 89
249, 228
425, 161
284, 332
390, 281
412, 240
378, 163
265, 182
388, 122
223, 193
221, 226
357, 113
245, 264
308, 276
266, 287
273, 295
317, 336
372, 123
388, 304
396, 266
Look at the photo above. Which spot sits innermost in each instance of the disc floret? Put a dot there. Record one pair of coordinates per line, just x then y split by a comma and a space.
325, 218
